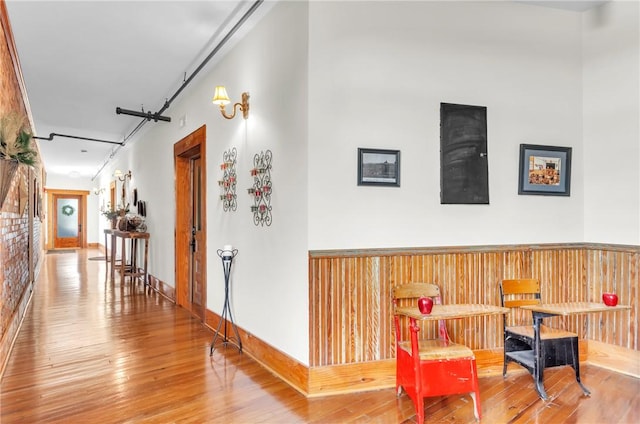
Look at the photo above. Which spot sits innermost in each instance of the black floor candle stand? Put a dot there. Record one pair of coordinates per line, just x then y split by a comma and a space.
227, 258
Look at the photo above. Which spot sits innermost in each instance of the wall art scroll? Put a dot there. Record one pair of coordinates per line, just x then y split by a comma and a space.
262, 189
229, 180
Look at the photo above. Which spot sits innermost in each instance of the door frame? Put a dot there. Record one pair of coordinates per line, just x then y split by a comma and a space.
192, 145
51, 210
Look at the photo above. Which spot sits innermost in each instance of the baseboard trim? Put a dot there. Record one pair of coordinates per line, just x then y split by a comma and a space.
614, 358
10, 335
155, 283
352, 378
376, 375
161, 288
279, 363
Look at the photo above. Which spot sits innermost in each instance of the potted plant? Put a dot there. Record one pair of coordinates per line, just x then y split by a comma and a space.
112, 214
15, 149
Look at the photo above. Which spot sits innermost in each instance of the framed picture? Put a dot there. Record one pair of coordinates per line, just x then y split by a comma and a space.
379, 167
544, 170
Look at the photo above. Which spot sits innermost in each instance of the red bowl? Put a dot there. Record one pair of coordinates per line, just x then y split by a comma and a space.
610, 299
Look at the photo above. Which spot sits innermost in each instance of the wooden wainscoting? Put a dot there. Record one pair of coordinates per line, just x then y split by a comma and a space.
350, 312
351, 340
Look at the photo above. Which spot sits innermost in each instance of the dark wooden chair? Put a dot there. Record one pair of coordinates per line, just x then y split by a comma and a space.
430, 367
557, 347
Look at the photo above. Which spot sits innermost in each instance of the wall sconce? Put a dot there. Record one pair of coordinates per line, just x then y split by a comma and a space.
122, 177
221, 99
98, 191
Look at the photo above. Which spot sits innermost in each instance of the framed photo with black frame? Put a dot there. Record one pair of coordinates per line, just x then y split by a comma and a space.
544, 170
378, 167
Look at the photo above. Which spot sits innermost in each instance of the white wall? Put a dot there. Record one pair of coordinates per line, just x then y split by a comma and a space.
270, 281
611, 73
378, 73
270, 273
328, 77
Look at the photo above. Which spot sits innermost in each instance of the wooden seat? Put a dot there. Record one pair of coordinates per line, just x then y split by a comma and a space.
546, 333
430, 366
558, 347
438, 349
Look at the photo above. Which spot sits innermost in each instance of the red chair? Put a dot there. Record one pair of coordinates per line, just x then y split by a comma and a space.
430, 367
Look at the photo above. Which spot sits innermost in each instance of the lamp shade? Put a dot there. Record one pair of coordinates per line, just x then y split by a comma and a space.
220, 96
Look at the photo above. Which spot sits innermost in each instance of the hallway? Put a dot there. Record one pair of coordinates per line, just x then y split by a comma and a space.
92, 351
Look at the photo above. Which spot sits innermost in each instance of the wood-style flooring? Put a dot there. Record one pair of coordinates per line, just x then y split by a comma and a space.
95, 351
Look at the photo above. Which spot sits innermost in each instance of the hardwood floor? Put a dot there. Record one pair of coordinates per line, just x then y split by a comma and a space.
93, 351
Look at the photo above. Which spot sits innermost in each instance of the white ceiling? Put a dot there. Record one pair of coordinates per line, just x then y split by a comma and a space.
82, 59
573, 5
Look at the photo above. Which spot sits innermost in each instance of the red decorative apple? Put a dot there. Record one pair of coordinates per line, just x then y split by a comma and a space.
425, 304
610, 299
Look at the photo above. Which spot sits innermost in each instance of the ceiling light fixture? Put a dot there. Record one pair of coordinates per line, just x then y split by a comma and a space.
221, 99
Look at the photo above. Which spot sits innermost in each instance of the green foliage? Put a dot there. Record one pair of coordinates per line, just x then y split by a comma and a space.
111, 213
15, 140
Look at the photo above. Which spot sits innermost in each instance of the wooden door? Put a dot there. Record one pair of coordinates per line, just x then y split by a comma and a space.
191, 252
67, 221
52, 217
196, 282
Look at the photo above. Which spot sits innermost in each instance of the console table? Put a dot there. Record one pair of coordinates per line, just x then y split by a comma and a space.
131, 268
109, 257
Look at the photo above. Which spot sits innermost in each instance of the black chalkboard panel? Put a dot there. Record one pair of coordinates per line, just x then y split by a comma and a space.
464, 175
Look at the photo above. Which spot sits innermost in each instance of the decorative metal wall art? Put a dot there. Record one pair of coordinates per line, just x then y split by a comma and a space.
229, 180
262, 189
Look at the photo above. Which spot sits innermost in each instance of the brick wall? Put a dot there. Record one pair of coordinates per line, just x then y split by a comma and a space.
14, 248
20, 231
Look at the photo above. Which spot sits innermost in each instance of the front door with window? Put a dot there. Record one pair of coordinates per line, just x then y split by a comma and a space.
67, 222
